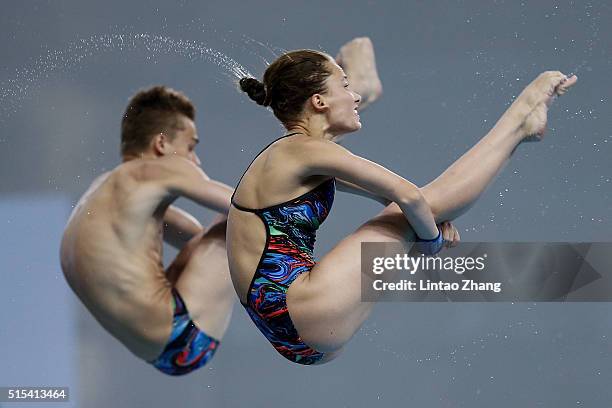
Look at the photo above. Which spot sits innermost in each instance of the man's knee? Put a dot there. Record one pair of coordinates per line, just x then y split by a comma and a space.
217, 229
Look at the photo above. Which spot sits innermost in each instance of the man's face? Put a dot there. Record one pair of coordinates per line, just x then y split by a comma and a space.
185, 140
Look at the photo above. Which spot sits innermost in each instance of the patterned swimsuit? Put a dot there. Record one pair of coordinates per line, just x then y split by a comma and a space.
290, 236
188, 347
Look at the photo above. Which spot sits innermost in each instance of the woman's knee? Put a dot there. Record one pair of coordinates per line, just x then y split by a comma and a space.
391, 209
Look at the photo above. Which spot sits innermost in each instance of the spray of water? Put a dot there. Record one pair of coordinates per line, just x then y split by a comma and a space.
18, 88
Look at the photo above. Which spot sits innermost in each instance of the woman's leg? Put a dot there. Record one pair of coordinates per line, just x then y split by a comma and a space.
325, 304
457, 188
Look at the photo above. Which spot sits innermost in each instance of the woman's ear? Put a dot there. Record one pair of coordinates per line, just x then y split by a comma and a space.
318, 102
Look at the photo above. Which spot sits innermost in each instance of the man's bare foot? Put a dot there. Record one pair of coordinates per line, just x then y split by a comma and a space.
535, 100
357, 59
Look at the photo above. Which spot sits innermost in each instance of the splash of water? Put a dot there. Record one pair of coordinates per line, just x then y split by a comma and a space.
18, 88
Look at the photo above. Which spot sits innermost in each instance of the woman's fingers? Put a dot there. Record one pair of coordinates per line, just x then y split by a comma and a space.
456, 237
447, 233
450, 234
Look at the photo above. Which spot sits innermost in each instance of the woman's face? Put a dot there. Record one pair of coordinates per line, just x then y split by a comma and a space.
342, 103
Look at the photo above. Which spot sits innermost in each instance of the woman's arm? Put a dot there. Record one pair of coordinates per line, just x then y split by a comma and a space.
448, 230
351, 188
323, 157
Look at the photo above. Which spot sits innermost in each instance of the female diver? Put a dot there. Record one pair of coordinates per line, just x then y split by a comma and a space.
309, 311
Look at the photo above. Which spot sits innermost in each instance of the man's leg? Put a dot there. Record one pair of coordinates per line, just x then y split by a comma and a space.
357, 59
200, 274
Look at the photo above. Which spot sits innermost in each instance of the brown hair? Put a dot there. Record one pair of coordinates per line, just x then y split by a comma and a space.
289, 81
152, 111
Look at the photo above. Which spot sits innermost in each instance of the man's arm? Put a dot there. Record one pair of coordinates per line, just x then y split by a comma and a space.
177, 176
180, 227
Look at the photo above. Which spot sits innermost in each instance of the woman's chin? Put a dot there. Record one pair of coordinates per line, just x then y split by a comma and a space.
356, 127
340, 132
355, 124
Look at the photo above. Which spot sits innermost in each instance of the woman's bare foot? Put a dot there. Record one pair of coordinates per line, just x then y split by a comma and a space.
535, 100
357, 59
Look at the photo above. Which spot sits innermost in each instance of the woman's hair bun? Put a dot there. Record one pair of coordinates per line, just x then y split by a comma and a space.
255, 89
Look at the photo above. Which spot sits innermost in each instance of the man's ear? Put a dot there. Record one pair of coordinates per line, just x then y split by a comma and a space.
318, 103
160, 144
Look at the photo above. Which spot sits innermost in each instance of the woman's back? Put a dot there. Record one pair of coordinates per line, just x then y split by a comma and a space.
274, 177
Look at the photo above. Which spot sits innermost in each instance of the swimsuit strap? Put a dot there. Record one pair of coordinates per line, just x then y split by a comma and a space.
241, 208
247, 169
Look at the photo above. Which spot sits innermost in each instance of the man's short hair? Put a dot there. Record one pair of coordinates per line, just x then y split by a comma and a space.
150, 112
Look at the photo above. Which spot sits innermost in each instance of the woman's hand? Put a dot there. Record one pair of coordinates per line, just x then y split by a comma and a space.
450, 234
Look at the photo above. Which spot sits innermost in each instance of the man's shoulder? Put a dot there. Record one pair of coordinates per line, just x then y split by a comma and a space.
156, 169
118, 174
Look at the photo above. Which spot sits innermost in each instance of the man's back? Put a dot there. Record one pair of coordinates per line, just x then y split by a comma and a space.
111, 255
